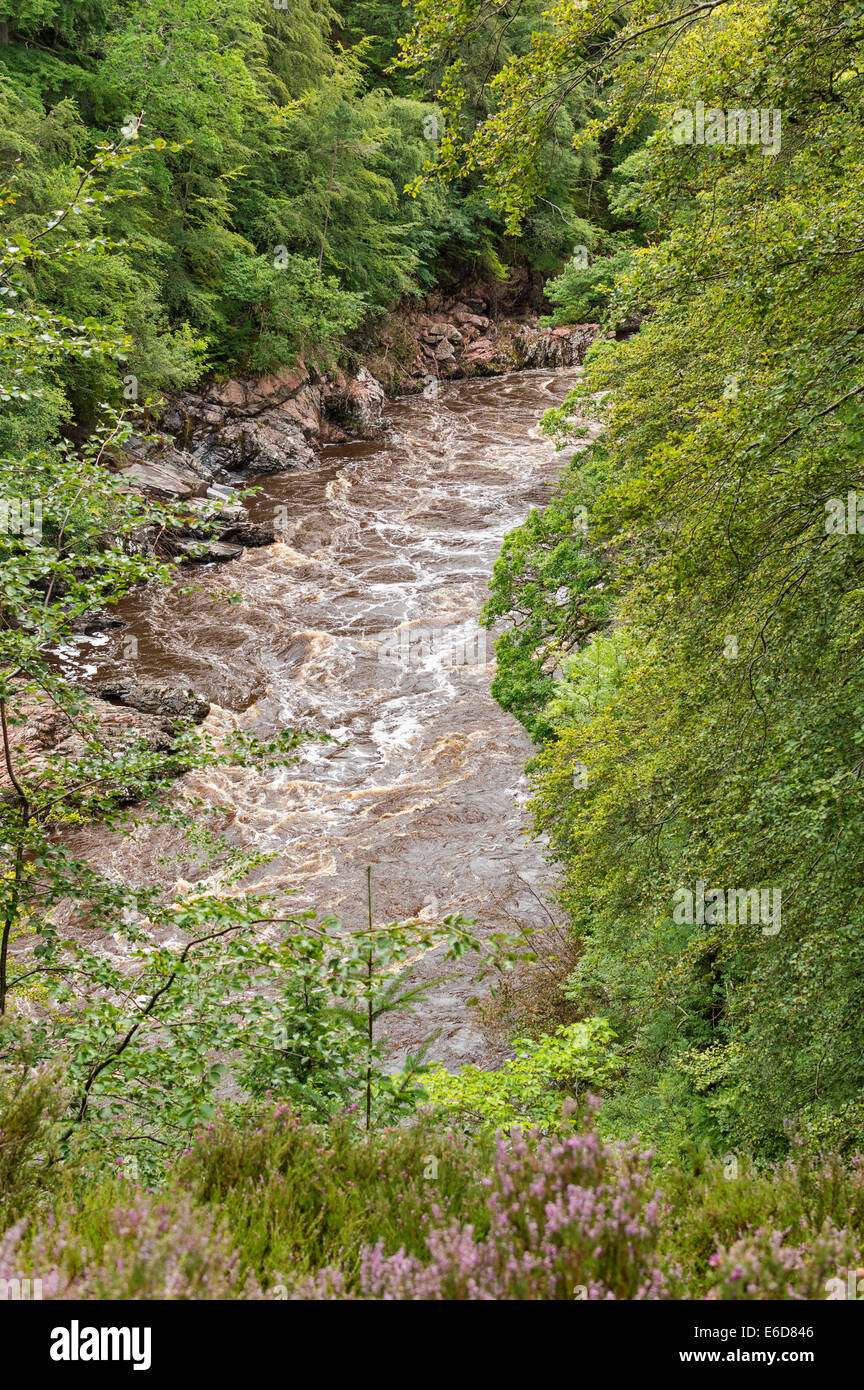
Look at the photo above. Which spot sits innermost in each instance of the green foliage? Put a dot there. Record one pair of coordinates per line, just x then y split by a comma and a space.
267, 139
376, 27
296, 1197
726, 751
551, 585
514, 112
589, 680
718, 1205
288, 1013
32, 1100
278, 312
581, 294
532, 1089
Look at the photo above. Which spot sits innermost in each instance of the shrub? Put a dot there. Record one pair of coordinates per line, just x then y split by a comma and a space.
295, 1196
566, 1220
762, 1266
581, 293
147, 1248
530, 1088
716, 1206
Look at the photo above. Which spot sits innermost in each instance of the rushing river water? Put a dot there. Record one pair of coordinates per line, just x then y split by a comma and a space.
362, 621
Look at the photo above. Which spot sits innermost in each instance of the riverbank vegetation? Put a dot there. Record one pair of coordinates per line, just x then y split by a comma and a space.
196, 1068
263, 1204
721, 747
265, 213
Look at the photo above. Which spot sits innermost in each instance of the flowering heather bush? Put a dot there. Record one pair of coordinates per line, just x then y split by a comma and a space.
296, 1196
149, 1249
574, 1219
806, 1195
761, 1266
262, 1199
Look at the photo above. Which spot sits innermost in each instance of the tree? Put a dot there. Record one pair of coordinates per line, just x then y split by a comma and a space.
722, 499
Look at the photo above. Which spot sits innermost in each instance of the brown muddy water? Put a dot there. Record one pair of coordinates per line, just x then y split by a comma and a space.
361, 621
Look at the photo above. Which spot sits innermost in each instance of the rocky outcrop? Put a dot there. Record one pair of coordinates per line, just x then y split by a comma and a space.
251, 425
167, 702
356, 405
50, 735
483, 331
277, 422
207, 552
98, 620
248, 533
554, 347
480, 357
470, 344
123, 713
160, 477
222, 533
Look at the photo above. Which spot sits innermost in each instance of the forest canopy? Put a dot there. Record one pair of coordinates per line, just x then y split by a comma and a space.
718, 554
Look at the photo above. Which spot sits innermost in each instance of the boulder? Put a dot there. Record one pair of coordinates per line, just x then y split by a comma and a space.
166, 701
466, 319
248, 534
228, 522
206, 552
359, 404
90, 623
481, 353
161, 478
555, 347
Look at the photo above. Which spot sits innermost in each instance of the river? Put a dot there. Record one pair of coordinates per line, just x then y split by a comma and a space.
362, 621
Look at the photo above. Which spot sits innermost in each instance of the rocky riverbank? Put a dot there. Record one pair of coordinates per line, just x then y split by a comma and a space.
232, 431
119, 713
229, 433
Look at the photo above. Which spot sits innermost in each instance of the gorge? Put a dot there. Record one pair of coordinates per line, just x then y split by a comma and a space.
360, 621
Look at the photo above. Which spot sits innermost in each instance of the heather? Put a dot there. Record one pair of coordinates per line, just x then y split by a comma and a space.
265, 1204
575, 1219
138, 1248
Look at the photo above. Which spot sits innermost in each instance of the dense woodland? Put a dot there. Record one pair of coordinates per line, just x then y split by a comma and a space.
196, 189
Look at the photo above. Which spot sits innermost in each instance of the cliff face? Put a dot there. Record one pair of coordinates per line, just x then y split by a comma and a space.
462, 336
